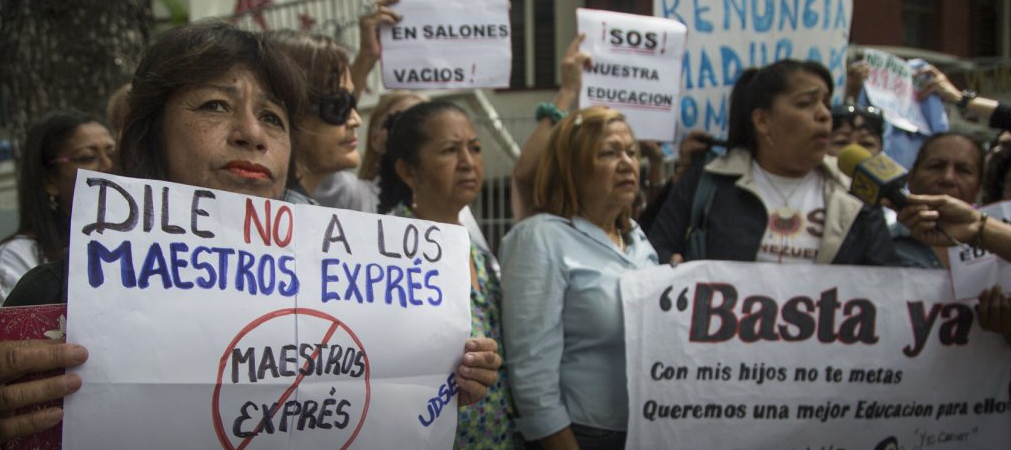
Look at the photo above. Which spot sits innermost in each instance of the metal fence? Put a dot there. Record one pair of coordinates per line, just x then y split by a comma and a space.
339, 19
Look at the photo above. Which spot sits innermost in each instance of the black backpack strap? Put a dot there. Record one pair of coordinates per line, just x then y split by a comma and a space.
695, 236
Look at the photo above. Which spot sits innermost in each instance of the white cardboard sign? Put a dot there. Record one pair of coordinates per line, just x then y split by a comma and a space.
447, 44
636, 69
889, 86
219, 320
730, 355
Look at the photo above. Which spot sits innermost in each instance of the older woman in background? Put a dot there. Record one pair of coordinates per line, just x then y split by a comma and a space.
57, 145
565, 341
433, 170
211, 106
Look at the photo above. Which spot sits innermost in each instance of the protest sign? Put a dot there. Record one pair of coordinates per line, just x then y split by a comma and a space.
447, 44
636, 69
219, 320
975, 269
730, 355
889, 86
727, 36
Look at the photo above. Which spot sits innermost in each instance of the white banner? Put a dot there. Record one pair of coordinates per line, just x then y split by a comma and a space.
889, 86
218, 320
973, 270
728, 36
636, 69
447, 44
730, 355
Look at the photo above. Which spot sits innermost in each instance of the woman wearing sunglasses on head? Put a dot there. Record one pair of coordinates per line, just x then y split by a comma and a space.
855, 124
57, 145
326, 141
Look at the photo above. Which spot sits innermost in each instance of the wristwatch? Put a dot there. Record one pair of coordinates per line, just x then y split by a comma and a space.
967, 96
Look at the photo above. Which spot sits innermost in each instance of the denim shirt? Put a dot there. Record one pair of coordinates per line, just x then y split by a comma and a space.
563, 324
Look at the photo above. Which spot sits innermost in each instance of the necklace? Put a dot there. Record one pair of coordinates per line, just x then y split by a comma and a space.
784, 220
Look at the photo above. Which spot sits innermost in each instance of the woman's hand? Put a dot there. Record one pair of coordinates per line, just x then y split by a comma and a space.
18, 358
572, 68
856, 73
994, 311
369, 49
927, 215
938, 83
479, 369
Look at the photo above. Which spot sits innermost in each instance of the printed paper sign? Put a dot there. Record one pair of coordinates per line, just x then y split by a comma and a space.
448, 44
728, 36
889, 86
975, 269
219, 320
730, 355
636, 69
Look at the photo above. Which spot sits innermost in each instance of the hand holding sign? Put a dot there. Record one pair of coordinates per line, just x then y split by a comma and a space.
369, 49
479, 369
18, 358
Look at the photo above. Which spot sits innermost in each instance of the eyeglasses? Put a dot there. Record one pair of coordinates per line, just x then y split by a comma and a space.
86, 160
335, 109
874, 120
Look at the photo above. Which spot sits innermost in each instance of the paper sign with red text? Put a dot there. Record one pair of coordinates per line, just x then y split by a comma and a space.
219, 320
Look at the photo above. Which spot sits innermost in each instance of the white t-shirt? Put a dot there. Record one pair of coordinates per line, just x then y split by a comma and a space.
17, 257
796, 208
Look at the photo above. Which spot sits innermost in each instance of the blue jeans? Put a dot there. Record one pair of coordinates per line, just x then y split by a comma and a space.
590, 438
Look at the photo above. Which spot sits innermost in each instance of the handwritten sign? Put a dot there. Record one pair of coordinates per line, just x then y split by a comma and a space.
636, 68
448, 44
889, 86
975, 269
749, 355
728, 36
218, 320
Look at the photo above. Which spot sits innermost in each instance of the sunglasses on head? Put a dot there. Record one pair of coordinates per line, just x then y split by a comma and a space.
874, 120
335, 108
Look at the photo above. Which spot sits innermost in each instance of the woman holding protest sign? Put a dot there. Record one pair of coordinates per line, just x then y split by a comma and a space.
57, 145
564, 335
432, 170
211, 106
774, 196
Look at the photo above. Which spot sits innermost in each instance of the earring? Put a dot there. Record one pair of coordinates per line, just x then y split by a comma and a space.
53, 204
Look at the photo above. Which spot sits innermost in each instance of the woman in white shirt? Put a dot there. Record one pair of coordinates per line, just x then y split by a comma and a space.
57, 145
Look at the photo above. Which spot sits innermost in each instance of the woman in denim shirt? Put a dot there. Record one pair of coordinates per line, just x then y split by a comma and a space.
564, 336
